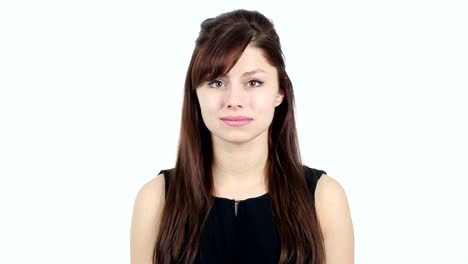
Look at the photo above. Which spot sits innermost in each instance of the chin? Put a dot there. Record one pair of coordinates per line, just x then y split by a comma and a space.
234, 137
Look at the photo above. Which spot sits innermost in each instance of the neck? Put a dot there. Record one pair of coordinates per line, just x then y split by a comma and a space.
240, 169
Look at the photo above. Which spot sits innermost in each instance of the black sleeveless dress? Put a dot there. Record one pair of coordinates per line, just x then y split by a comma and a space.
250, 236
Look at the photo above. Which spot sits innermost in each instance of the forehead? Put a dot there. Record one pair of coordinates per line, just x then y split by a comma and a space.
252, 59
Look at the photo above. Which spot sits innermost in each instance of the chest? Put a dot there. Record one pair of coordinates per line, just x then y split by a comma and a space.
246, 236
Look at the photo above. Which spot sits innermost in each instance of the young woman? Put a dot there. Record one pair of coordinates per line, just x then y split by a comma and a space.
238, 192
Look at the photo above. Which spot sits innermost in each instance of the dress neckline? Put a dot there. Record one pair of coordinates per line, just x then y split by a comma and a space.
251, 199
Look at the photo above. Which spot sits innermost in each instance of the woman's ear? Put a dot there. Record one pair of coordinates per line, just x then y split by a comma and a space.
279, 97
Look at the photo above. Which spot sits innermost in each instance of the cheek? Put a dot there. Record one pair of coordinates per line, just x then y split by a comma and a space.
208, 104
265, 103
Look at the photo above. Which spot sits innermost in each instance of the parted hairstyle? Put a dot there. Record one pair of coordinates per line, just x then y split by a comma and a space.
188, 202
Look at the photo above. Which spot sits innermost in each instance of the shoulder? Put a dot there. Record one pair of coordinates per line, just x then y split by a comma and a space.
329, 190
331, 201
152, 193
145, 222
334, 215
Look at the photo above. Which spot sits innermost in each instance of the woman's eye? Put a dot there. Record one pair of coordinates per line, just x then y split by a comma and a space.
216, 83
254, 82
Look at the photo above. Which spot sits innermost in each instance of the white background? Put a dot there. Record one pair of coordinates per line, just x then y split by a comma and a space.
90, 104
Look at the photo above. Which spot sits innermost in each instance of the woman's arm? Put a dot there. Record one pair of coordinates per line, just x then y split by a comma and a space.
335, 219
145, 221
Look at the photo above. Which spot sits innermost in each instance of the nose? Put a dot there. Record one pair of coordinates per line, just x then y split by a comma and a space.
235, 97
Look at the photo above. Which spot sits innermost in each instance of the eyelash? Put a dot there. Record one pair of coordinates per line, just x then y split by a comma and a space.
257, 81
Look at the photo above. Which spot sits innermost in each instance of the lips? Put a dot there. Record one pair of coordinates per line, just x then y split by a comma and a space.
236, 118
236, 121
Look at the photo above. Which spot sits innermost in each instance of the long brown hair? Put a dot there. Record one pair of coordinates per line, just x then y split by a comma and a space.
220, 43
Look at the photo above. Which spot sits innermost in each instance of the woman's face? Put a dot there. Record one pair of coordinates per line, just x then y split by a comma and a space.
249, 89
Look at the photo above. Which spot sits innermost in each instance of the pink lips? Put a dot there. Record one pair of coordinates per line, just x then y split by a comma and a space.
236, 121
